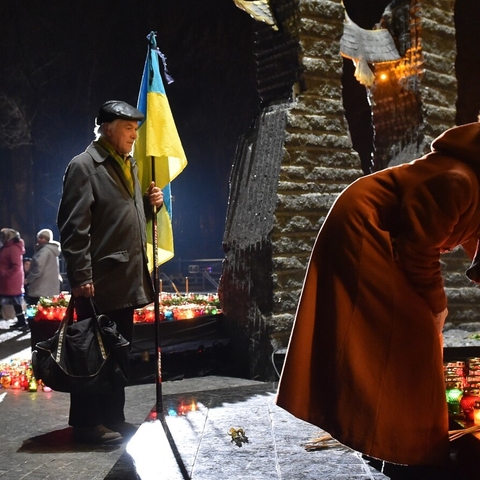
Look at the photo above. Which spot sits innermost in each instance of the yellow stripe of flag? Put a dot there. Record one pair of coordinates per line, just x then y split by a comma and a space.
158, 141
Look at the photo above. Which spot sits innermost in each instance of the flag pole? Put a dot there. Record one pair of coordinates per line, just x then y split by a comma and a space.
158, 351
149, 74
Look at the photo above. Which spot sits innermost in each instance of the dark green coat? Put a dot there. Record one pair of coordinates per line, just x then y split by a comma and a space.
103, 231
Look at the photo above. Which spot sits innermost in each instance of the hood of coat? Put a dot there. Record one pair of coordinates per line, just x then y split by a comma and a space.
462, 143
15, 243
53, 246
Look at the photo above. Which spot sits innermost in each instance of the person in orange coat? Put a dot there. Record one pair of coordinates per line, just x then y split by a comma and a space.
364, 361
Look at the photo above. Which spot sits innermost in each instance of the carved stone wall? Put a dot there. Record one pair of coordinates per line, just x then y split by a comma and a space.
410, 112
284, 182
413, 99
298, 157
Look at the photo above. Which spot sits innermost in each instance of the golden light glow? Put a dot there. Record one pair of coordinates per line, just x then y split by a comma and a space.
476, 413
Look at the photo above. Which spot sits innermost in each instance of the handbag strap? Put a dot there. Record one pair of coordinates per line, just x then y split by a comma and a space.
68, 320
69, 313
98, 332
94, 307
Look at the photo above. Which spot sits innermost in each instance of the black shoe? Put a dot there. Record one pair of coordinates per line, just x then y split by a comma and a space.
96, 435
125, 429
23, 327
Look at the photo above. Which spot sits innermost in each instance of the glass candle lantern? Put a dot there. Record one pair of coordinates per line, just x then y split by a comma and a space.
467, 402
476, 413
454, 394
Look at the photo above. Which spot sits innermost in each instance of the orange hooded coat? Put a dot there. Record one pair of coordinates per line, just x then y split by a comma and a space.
364, 361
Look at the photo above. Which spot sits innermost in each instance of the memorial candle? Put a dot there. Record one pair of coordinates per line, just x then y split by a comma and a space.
476, 413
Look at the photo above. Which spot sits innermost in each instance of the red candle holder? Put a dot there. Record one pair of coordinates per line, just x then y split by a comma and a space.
467, 402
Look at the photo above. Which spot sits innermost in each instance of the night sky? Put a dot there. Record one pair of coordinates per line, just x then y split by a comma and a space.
61, 60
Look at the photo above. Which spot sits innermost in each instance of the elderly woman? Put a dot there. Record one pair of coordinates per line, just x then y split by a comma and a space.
43, 279
11, 273
364, 361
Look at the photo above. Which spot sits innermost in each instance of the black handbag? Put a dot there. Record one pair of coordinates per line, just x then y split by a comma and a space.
88, 356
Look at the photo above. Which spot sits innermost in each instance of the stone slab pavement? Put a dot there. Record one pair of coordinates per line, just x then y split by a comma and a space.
36, 443
183, 442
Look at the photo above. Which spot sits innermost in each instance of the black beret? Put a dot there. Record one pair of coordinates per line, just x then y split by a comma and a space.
114, 109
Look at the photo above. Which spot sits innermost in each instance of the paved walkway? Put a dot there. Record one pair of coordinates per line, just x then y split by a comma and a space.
192, 440
35, 440
36, 443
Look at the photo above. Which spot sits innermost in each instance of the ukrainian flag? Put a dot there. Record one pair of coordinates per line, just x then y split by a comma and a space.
158, 142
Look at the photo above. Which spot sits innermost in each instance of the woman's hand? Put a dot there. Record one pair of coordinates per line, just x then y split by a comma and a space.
440, 320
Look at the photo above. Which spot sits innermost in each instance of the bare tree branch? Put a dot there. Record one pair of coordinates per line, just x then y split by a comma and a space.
15, 124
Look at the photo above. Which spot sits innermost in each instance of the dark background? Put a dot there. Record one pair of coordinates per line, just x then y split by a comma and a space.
61, 60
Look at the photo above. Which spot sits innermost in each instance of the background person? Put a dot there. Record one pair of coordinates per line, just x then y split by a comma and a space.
11, 275
43, 279
27, 263
364, 361
102, 223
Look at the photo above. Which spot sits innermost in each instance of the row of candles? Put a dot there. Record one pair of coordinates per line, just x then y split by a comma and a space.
172, 307
462, 381
179, 312
18, 375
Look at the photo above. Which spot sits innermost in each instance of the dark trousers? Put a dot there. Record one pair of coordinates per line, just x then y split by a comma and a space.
20, 315
90, 410
31, 300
